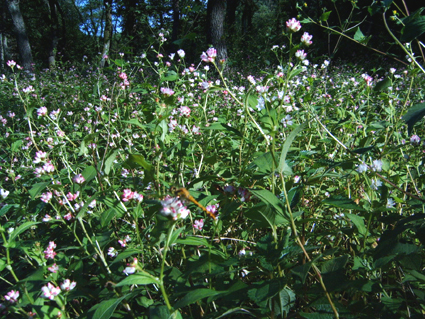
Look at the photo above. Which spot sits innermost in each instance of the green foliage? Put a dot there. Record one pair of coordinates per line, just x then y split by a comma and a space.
185, 194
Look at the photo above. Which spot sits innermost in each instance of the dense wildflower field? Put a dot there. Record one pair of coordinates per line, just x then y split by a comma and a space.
158, 189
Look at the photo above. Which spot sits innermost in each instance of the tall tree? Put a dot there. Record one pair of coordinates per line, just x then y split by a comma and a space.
3, 34
54, 38
107, 35
176, 21
231, 16
24, 47
216, 13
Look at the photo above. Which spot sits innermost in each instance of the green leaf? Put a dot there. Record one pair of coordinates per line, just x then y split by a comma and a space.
37, 189
222, 127
270, 199
135, 160
163, 125
287, 299
335, 264
89, 173
342, 202
325, 16
126, 254
21, 229
16, 145
141, 278
413, 29
358, 221
193, 241
286, 146
6, 208
195, 295
171, 76
302, 271
110, 161
382, 85
106, 308
413, 115
359, 36
107, 216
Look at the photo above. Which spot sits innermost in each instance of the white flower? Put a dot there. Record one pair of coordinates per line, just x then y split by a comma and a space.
67, 285
4, 193
181, 53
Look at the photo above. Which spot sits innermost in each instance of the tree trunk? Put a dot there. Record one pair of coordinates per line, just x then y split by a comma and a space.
108, 31
3, 36
231, 16
247, 14
176, 23
24, 47
54, 23
216, 12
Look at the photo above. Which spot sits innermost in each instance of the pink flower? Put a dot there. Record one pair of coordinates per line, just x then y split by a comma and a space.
79, 179
49, 253
123, 76
127, 195
42, 111
48, 168
301, 55
46, 197
167, 91
209, 56
11, 64
415, 140
184, 111
122, 242
67, 285
198, 224
173, 207
181, 53
196, 130
131, 268
112, 252
71, 196
244, 194
53, 268
50, 291
293, 25
306, 39
40, 156
68, 216
12, 296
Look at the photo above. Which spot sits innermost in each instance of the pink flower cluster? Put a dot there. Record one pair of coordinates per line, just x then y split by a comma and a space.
125, 82
12, 296
50, 291
131, 267
173, 207
306, 39
293, 25
198, 224
167, 91
49, 253
209, 56
129, 195
79, 179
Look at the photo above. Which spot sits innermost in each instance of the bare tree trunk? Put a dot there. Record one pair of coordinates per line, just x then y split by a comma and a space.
54, 23
3, 37
231, 16
216, 13
24, 47
108, 31
176, 22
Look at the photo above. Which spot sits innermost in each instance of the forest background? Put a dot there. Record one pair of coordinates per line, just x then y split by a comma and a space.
42, 32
